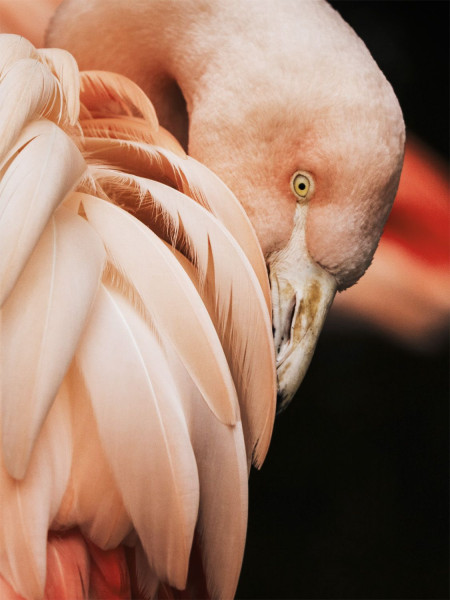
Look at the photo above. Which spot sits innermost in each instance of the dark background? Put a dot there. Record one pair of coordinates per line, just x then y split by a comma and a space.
352, 501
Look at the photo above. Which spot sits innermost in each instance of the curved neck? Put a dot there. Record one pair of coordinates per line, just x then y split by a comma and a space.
172, 53
165, 46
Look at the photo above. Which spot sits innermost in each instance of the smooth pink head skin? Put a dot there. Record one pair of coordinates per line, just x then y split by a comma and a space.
267, 89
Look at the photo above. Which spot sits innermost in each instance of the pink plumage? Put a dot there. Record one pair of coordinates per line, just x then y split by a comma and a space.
115, 369
139, 377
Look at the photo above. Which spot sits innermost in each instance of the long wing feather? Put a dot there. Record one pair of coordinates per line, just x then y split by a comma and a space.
171, 299
53, 294
136, 156
241, 315
222, 466
156, 474
34, 183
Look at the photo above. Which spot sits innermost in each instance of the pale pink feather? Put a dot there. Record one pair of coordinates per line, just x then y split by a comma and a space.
162, 332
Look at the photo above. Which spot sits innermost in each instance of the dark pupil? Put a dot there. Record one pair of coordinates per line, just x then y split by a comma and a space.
302, 186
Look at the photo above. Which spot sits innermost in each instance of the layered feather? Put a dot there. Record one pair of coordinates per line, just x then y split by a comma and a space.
133, 156
222, 520
53, 294
137, 252
91, 500
111, 94
30, 505
156, 475
44, 167
227, 278
133, 341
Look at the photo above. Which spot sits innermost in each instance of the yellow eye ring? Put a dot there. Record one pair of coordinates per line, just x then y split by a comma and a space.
302, 185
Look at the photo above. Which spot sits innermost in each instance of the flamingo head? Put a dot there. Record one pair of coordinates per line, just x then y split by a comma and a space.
314, 153
284, 102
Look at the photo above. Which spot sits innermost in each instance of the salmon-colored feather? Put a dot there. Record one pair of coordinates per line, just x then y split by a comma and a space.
157, 477
44, 167
240, 313
109, 576
140, 324
91, 500
68, 567
29, 506
170, 298
54, 293
111, 94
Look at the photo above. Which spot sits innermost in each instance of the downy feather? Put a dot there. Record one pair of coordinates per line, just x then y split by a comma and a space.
171, 300
156, 474
47, 166
53, 294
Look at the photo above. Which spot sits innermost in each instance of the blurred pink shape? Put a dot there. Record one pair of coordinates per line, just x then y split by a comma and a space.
406, 291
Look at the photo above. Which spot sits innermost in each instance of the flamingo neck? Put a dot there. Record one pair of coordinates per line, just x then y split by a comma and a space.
166, 46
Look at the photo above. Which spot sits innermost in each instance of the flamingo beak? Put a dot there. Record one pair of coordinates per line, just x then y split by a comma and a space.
302, 293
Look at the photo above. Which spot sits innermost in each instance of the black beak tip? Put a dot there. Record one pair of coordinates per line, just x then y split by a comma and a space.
282, 402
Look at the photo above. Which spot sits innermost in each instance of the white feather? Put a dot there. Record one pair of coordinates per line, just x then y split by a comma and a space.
143, 432
53, 294
46, 168
171, 300
65, 69
92, 500
240, 312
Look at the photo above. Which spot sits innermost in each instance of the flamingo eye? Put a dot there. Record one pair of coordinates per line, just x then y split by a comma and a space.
302, 184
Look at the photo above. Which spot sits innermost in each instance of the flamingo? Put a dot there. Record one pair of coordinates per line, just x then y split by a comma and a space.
138, 372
